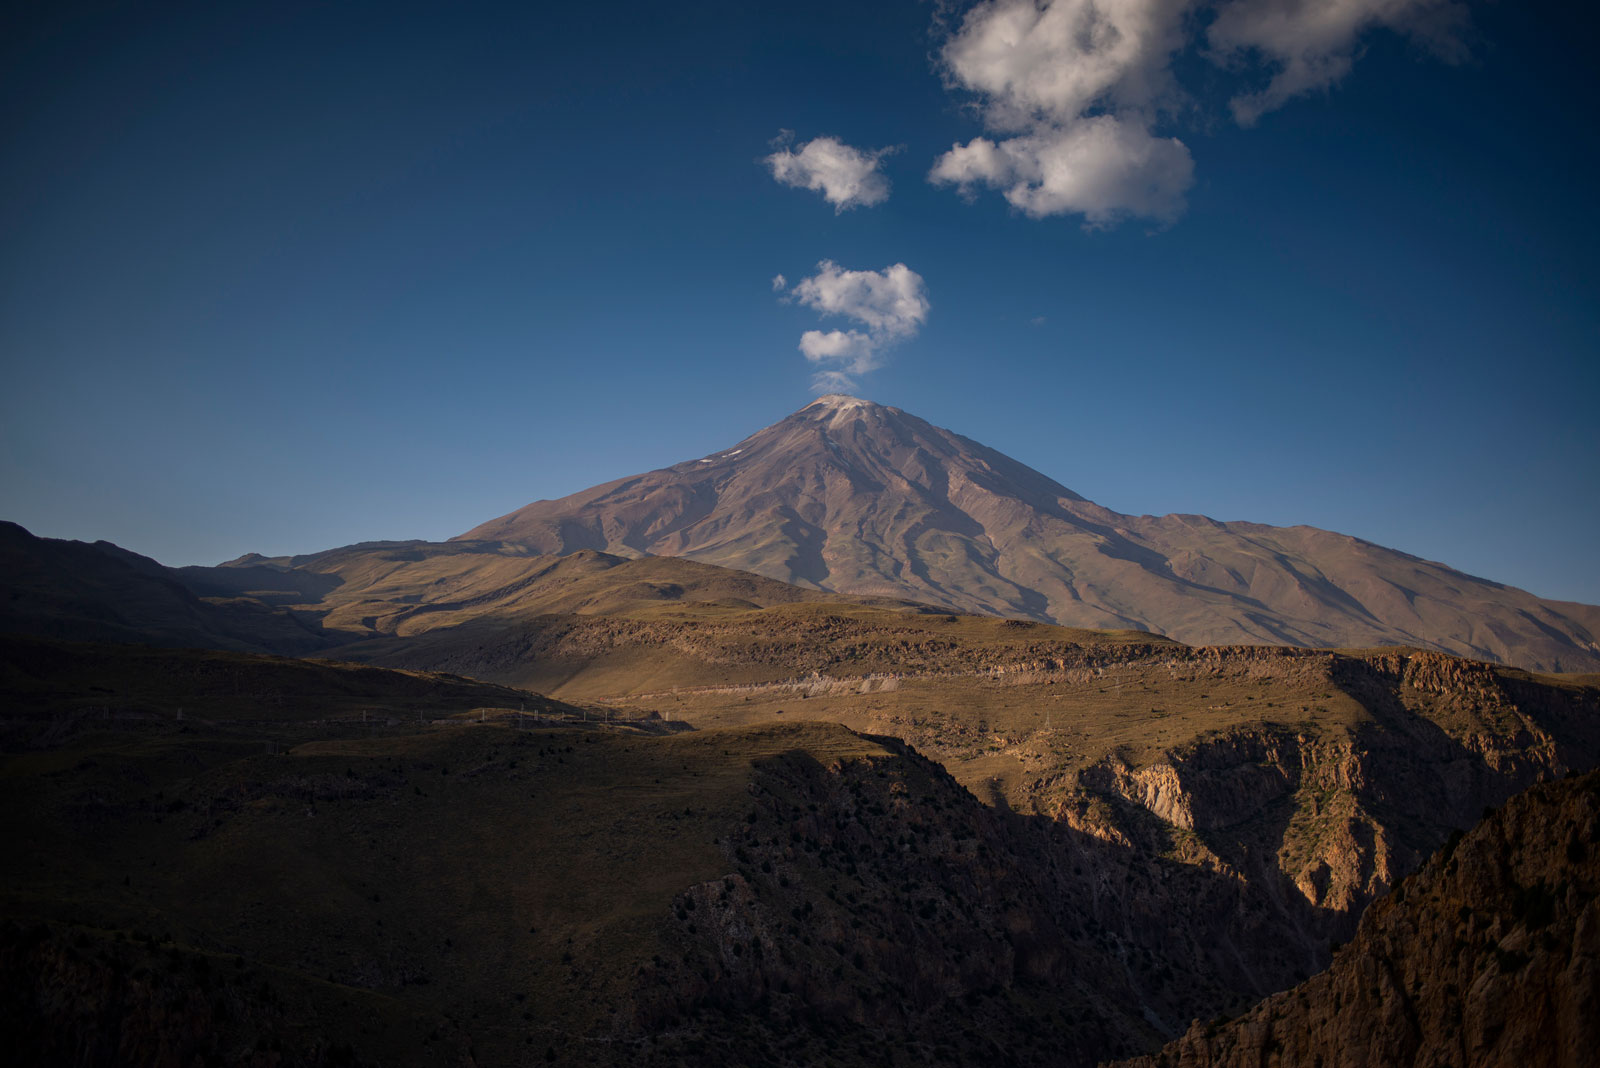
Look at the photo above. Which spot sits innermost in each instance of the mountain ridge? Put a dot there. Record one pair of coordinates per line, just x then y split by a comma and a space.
851, 496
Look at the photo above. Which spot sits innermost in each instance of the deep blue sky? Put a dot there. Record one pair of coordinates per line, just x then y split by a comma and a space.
283, 279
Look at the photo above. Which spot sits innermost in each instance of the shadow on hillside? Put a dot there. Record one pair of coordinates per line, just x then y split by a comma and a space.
984, 919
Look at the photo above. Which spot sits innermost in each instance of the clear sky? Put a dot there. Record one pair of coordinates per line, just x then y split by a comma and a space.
280, 277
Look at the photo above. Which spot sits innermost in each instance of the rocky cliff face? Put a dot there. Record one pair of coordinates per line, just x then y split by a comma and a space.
877, 895
1488, 956
1326, 820
856, 497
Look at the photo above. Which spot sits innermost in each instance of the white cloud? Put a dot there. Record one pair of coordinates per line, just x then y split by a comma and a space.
1071, 92
1052, 62
891, 304
850, 347
778, 283
1080, 83
846, 177
1102, 168
1311, 44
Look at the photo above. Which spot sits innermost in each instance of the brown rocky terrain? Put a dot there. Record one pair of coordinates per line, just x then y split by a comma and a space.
1324, 775
772, 887
644, 652
1313, 781
775, 824
1488, 956
855, 497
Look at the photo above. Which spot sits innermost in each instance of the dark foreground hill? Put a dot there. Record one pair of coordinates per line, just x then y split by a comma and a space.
320, 883
855, 497
1488, 957
50, 691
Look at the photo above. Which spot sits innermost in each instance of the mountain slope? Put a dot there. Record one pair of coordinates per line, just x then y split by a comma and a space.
856, 497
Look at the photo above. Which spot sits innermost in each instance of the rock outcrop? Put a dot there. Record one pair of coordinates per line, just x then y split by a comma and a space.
1489, 956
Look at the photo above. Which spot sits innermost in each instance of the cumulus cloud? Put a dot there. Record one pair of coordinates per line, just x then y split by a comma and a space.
891, 303
1103, 168
1311, 44
1072, 92
1080, 84
846, 177
1054, 61
888, 305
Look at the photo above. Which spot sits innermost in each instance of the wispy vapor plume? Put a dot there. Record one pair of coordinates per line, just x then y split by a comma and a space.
846, 177
889, 305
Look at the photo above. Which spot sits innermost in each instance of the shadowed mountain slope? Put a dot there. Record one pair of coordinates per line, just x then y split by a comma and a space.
99, 592
856, 497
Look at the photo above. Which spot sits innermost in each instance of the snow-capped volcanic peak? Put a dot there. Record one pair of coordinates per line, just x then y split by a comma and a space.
864, 498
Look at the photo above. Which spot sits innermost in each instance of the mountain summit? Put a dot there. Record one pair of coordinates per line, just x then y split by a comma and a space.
856, 497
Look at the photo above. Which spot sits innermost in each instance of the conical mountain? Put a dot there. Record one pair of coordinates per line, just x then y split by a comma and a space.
856, 497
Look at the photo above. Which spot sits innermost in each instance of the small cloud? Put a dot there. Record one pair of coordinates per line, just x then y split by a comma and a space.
889, 305
846, 177
848, 346
1037, 320
1311, 44
778, 283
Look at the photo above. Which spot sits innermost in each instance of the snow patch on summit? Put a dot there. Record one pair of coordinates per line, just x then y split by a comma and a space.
838, 408
837, 402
